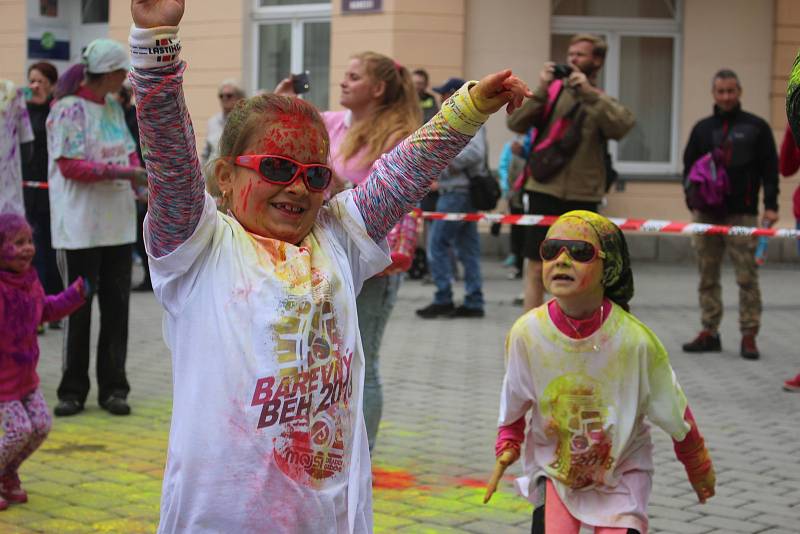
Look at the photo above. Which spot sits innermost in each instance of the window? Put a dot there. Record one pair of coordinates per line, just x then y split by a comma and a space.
94, 11
293, 38
641, 71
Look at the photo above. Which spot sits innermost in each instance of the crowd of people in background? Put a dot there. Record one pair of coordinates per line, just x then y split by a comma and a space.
383, 102
78, 137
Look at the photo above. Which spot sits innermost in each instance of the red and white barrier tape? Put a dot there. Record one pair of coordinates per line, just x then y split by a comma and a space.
629, 225
35, 185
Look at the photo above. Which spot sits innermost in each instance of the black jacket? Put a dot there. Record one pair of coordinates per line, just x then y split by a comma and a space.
37, 200
753, 159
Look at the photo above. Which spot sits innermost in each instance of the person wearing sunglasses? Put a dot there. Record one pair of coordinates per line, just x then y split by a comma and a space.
591, 375
268, 431
229, 94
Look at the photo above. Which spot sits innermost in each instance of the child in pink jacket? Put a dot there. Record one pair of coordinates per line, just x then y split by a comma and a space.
23, 306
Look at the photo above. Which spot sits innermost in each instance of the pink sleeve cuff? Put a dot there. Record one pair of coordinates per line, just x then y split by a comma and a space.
510, 436
692, 451
86, 171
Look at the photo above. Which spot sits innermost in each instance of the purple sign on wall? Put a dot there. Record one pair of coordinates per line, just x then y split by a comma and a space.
350, 7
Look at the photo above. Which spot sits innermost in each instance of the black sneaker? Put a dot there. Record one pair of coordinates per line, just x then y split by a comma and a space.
704, 342
432, 311
67, 407
116, 406
463, 311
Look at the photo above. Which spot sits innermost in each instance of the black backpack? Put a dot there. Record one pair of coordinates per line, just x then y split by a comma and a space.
484, 189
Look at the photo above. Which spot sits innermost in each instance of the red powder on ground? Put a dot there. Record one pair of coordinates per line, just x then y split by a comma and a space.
395, 480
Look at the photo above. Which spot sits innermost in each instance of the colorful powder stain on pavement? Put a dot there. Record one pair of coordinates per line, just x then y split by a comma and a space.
102, 475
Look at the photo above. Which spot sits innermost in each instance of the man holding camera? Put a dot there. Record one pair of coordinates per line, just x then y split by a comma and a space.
573, 119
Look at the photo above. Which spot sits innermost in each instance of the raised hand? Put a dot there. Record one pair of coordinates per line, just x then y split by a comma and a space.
285, 87
546, 75
154, 13
506, 458
498, 90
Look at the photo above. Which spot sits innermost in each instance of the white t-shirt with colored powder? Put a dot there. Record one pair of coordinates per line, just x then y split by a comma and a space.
15, 129
83, 214
587, 428
267, 429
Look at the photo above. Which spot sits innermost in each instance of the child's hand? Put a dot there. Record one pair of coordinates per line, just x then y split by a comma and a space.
506, 458
82, 285
498, 90
154, 13
704, 487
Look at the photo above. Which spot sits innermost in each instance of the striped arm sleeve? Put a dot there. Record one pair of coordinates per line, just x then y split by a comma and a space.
176, 186
401, 178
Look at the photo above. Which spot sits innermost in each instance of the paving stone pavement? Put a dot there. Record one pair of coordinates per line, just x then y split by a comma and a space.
102, 474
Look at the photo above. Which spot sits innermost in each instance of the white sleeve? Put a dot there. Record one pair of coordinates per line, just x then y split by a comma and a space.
666, 401
24, 129
174, 274
517, 396
366, 257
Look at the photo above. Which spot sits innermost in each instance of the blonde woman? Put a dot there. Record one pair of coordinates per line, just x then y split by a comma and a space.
381, 109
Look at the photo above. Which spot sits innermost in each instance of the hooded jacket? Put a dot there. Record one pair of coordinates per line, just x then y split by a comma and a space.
751, 154
23, 305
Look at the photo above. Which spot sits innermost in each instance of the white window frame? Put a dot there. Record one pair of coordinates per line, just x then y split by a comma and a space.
614, 29
296, 15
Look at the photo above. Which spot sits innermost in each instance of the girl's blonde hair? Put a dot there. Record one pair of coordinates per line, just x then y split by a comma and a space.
251, 117
397, 116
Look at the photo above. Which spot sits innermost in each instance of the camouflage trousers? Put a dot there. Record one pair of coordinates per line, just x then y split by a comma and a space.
741, 249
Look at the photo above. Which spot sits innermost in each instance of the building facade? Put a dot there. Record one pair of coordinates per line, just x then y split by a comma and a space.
662, 55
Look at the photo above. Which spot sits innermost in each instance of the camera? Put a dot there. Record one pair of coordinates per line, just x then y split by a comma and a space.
301, 83
561, 71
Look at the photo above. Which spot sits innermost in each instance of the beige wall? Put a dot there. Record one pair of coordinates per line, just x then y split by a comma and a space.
735, 34
416, 33
13, 40
212, 47
505, 34
785, 47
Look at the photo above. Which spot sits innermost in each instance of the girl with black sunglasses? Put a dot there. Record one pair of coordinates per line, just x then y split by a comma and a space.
590, 374
267, 428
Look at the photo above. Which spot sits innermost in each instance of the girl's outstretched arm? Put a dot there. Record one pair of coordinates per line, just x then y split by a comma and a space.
402, 177
175, 183
56, 307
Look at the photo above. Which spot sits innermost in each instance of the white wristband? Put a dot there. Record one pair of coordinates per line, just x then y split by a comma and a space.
154, 47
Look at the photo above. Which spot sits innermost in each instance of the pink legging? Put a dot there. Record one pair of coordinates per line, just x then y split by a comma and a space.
26, 423
558, 520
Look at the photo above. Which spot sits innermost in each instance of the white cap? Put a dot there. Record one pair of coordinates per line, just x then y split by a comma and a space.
105, 55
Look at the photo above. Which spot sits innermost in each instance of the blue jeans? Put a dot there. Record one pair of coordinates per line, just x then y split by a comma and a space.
797, 225
374, 304
463, 236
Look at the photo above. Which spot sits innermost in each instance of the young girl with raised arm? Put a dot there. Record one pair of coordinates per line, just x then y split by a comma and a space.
587, 374
23, 307
267, 430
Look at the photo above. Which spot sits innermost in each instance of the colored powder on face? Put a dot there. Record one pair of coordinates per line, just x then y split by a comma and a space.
11, 225
296, 137
245, 196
